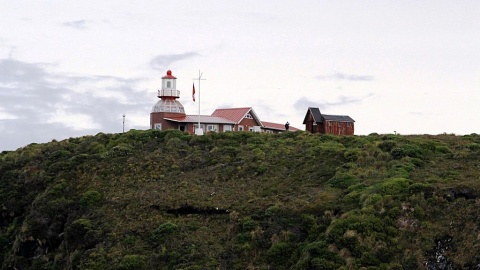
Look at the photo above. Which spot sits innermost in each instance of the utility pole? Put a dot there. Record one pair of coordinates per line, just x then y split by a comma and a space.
123, 129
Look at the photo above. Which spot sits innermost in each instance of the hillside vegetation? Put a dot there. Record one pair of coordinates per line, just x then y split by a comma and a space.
240, 200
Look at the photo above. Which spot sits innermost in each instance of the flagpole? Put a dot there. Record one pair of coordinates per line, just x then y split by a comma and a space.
199, 79
198, 130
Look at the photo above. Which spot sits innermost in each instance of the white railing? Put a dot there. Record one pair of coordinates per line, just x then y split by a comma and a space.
168, 93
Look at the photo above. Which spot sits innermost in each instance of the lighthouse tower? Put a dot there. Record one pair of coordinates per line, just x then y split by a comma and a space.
168, 106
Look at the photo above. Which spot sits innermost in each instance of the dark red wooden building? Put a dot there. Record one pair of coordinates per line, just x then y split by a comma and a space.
316, 122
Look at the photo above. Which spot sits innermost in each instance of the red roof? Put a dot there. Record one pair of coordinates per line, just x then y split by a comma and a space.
169, 75
276, 126
234, 114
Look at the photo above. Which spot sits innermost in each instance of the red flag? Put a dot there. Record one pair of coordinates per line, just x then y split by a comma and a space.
193, 93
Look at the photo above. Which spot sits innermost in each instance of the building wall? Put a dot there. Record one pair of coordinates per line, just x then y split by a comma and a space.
158, 117
338, 128
246, 123
272, 130
313, 127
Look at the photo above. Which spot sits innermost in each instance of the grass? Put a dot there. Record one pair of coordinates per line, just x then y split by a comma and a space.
289, 201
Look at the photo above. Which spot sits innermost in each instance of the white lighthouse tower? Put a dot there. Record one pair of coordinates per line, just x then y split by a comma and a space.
168, 105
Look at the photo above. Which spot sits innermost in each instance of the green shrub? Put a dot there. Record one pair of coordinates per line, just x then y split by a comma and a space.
279, 254
342, 180
121, 149
393, 186
248, 225
387, 146
397, 153
428, 145
94, 260
443, 149
351, 155
95, 148
243, 238
80, 234
316, 255
420, 187
91, 198
474, 147
271, 211
258, 154
82, 224
353, 197
323, 264
412, 150
368, 259
332, 147
372, 199
133, 262
165, 229
400, 169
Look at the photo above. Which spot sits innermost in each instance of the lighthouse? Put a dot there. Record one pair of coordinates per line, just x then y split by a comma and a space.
168, 106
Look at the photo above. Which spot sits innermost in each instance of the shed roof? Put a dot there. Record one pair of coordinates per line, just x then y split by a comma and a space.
318, 117
337, 118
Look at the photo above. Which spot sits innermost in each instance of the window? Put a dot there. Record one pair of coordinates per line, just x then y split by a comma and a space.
329, 123
169, 84
157, 126
339, 124
249, 116
240, 128
181, 127
211, 127
250, 129
227, 128
349, 124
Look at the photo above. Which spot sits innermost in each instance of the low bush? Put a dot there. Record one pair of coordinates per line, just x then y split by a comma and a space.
393, 186
91, 198
133, 262
342, 180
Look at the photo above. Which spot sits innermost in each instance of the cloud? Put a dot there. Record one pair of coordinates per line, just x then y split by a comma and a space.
303, 103
161, 62
80, 24
72, 120
15, 72
35, 100
5, 115
345, 77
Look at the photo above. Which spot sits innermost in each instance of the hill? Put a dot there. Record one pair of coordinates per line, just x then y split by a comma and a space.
240, 200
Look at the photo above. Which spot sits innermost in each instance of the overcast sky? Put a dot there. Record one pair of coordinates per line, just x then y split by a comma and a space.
73, 68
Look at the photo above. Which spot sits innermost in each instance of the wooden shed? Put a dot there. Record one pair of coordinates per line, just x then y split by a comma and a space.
316, 122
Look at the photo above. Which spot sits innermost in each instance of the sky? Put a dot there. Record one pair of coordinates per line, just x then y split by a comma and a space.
74, 68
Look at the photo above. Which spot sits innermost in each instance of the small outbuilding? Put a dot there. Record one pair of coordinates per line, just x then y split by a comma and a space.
316, 122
